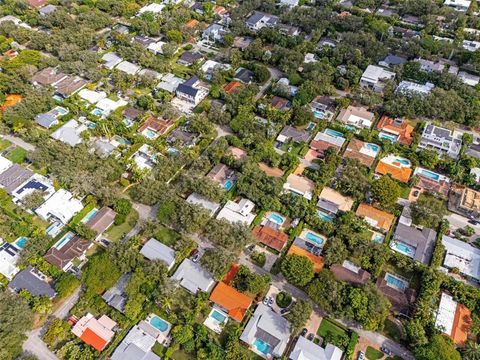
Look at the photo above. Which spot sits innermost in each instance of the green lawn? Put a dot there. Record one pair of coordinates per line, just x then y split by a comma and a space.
167, 236
116, 232
373, 354
392, 331
17, 155
4, 144
329, 326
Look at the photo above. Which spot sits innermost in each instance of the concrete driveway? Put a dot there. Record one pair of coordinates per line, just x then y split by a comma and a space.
458, 222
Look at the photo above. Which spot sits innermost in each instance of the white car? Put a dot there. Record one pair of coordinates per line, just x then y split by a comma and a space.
361, 355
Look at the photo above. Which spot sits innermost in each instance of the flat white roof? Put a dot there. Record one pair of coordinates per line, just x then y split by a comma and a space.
4, 164
462, 256
92, 96
62, 205
446, 314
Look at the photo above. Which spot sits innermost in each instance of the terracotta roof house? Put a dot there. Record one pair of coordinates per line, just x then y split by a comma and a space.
233, 302
376, 218
154, 127
237, 153
271, 237
414, 243
364, 152
396, 167
48, 76
37, 3
102, 220
349, 272
397, 292
298, 248
65, 250
332, 201
453, 319
398, 130
327, 139
432, 182
96, 333
232, 86
280, 103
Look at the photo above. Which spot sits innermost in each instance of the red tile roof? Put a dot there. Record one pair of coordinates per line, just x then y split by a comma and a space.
403, 129
270, 237
92, 339
234, 302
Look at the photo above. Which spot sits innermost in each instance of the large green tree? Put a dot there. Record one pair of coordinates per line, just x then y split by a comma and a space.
297, 269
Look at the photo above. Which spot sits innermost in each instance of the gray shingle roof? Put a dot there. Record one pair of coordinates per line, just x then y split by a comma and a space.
422, 240
13, 177
25, 279
155, 250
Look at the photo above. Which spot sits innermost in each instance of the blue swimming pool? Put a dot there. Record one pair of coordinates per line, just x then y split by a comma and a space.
20, 242
218, 316
430, 174
334, 133
91, 125
372, 147
318, 240
65, 239
158, 323
97, 112
403, 248
385, 136
276, 218
324, 216
262, 346
54, 229
395, 282
311, 126
122, 140
403, 161
319, 114
90, 215
150, 134
228, 184
61, 111
378, 238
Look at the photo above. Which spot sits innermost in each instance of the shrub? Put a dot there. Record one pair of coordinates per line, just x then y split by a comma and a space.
283, 299
258, 258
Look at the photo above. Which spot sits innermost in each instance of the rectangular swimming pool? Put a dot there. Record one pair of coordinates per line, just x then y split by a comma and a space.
262, 346
395, 282
218, 316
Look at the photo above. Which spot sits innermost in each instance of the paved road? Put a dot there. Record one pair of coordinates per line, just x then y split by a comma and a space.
275, 74
19, 142
457, 221
34, 344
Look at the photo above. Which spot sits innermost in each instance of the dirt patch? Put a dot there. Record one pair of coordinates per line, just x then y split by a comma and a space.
270, 171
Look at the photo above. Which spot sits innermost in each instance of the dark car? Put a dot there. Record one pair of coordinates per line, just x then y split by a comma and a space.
194, 252
310, 336
386, 350
473, 222
304, 332
105, 242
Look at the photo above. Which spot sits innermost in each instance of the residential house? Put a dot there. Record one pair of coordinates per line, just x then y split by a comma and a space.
464, 201
155, 250
307, 350
154, 127
231, 301
192, 91
365, 153
111, 59
128, 68
16, 21
214, 32
138, 343
266, 333
289, 133
169, 83
153, 8
396, 167
331, 202
36, 182
378, 219
284, 85
259, 20
289, 3
61, 206
392, 60
64, 85
46, 10
324, 107
471, 46
193, 277
376, 78
453, 319
37, 3
9, 254
145, 158
181, 137
309, 244
469, 79
131, 114
243, 75
156, 47
270, 235
5, 164
356, 116
300, 185
237, 153
431, 182
199, 200
66, 250
288, 30
105, 106
395, 130
351, 273
13, 176
46, 120
241, 42
34, 282
459, 5
279, 103
408, 88
232, 86
48, 77
70, 133
188, 58
222, 175
210, 66
325, 140
398, 292
463, 257
444, 141
96, 333
91, 96
116, 296
101, 221
429, 66
143, 40
239, 211
414, 243
326, 42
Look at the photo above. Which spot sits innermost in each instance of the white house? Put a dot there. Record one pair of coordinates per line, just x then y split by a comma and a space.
459, 5
151, 8
307, 350
60, 206
192, 91
241, 211
214, 32
462, 256
410, 88
375, 78
69, 133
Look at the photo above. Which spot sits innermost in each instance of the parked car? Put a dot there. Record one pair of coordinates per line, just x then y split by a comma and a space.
361, 355
284, 311
386, 350
193, 252
270, 301
105, 242
196, 257
310, 337
303, 332
266, 300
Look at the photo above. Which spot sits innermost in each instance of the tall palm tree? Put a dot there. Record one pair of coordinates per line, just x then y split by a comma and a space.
471, 351
166, 303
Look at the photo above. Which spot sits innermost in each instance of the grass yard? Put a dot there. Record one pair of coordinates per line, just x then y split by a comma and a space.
392, 331
373, 354
17, 155
116, 232
329, 326
167, 236
4, 144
